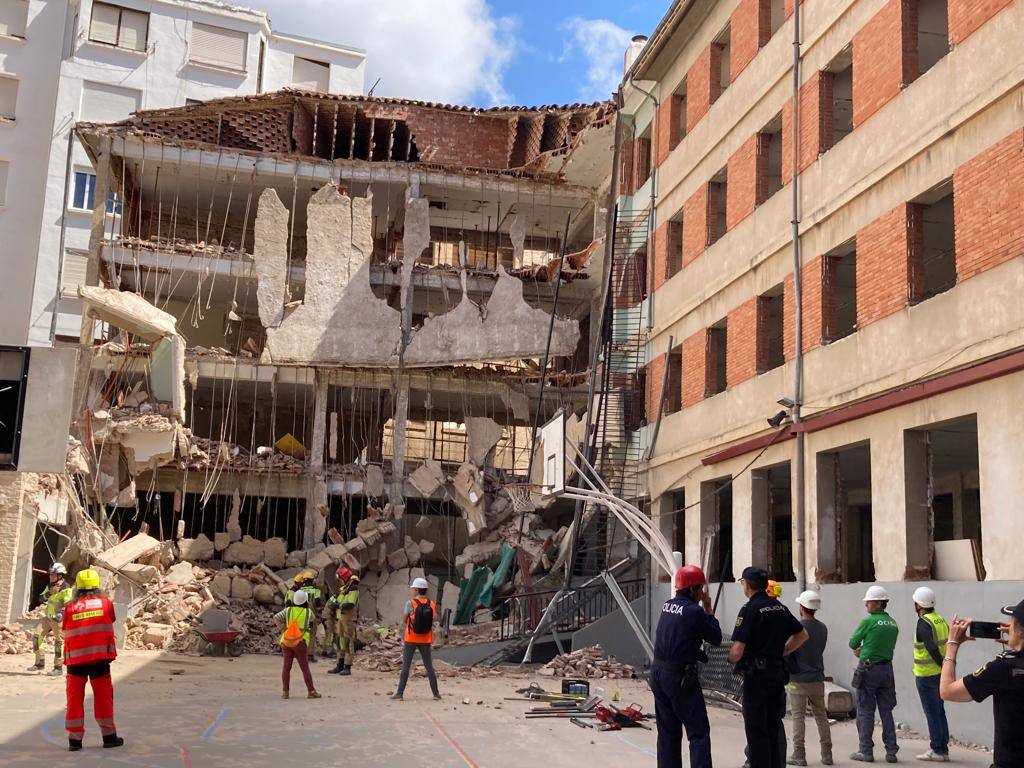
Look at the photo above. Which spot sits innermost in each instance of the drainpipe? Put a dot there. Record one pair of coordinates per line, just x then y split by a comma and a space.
800, 513
63, 231
652, 220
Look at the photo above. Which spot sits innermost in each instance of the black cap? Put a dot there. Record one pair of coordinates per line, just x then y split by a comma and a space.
753, 573
1017, 611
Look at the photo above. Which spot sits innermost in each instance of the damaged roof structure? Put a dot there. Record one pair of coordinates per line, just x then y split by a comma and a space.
317, 331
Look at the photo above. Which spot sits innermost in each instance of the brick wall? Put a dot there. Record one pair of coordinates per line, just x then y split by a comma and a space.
744, 176
988, 203
816, 124
883, 249
788, 5
965, 16
702, 84
695, 224
750, 28
655, 379
812, 309
667, 133
659, 263
741, 360
10, 528
884, 57
695, 375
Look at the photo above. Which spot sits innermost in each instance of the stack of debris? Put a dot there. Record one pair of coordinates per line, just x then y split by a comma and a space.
14, 639
587, 662
205, 453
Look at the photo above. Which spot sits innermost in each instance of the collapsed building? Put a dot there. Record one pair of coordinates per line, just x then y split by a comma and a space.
322, 330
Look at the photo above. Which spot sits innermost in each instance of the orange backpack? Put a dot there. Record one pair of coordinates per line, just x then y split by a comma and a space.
292, 634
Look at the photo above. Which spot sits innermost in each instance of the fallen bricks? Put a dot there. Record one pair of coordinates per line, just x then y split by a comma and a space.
589, 662
14, 639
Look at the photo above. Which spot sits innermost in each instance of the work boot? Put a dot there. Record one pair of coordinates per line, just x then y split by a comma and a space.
890, 757
112, 740
313, 695
56, 672
794, 760
284, 694
337, 669
931, 756
826, 759
396, 697
74, 744
862, 757
437, 697
38, 666
346, 669
312, 659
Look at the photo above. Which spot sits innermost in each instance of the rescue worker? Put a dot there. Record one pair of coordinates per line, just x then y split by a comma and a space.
306, 582
929, 651
296, 611
765, 632
687, 622
873, 643
88, 650
345, 617
420, 615
57, 594
807, 682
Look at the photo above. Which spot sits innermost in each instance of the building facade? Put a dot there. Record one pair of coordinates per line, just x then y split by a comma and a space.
896, 155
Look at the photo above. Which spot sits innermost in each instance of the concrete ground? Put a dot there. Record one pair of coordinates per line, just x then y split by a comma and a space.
186, 712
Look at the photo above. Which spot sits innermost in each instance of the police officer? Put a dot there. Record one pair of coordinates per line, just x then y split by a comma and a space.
686, 623
765, 632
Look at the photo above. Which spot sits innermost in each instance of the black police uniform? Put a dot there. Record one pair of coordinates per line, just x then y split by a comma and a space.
678, 700
764, 625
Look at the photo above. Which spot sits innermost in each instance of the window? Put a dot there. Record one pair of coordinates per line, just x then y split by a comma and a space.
716, 514
13, 17
84, 196
674, 263
678, 120
642, 159
932, 33
839, 292
123, 27
217, 47
192, 102
13, 369
679, 521
715, 380
769, 159
8, 97
108, 103
769, 330
674, 396
845, 549
840, 81
5, 169
932, 254
772, 521
260, 64
778, 15
724, 43
718, 197
311, 75
73, 272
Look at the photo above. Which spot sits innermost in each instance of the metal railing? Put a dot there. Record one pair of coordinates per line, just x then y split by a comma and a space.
520, 613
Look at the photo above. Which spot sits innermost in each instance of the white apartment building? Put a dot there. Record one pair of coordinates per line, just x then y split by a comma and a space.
64, 61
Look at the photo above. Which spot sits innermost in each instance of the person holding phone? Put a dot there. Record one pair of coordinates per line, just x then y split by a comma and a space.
1002, 679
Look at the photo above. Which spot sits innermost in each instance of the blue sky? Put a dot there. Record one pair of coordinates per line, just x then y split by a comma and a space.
480, 52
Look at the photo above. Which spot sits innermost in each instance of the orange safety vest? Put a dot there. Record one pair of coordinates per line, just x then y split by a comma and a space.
412, 637
89, 630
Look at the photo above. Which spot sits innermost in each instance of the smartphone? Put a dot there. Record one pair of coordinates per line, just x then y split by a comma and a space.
986, 630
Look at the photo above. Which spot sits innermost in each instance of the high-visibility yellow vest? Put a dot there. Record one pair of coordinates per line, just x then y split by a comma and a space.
924, 664
301, 615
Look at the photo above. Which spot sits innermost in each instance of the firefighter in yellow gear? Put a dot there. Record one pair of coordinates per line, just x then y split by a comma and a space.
346, 605
57, 594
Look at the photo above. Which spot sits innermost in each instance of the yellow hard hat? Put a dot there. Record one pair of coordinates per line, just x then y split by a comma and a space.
87, 579
304, 576
774, 588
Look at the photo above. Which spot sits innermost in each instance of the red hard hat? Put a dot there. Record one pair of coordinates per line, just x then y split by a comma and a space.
688, 576
343, 573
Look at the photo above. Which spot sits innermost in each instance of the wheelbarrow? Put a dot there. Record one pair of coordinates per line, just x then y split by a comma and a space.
217, 638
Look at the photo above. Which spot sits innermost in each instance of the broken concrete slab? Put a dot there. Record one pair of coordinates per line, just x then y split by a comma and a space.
275, 552
469, 495
180, 574
296, 559
139, 573
128, 551
196, 550
241, 588
428, 477
248, 551
320, 561
450, 596
221, 540
127, 311
157, 635
482, 434
479, 553
264, 594
398, 559
234, 527
221, 584
270, 257
374, 481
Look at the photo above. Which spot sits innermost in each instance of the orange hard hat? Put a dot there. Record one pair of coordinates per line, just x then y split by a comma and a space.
689, 576
343, 573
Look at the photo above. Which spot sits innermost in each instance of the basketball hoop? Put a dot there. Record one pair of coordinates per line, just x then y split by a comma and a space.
521, 495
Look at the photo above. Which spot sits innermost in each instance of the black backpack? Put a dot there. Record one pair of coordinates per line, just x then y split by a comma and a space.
422, 617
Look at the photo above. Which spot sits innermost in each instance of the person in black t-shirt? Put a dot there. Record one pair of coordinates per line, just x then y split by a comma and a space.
1002, 679
765, 632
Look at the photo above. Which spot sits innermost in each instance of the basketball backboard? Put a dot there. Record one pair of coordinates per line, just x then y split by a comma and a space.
552, 455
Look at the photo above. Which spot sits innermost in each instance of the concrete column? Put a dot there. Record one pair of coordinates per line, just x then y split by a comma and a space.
11, 601
888, 505
396, 491
745, 544
919, 525
823, 545
662, 509
1000, 458
316, 499
695, 523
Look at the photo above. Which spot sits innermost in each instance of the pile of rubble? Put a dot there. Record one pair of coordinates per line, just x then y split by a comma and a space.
15, 639
205, 453
587, 662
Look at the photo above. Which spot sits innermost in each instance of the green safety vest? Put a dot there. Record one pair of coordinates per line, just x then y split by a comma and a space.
924, 664
56, 601
301, 615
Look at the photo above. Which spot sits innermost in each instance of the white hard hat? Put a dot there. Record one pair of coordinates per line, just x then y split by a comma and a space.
925, 597
59, 568
876, 592
300, 597
420, 583
809, 599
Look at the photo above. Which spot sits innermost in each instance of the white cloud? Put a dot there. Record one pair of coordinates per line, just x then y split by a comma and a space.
442, 50
602, 45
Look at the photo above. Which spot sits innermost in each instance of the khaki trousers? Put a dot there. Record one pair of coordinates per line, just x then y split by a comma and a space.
800, 696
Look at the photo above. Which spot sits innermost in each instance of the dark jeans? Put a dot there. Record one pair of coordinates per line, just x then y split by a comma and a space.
676, 708
408, 650
934, 713
877, 691
298, 653
764, 707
